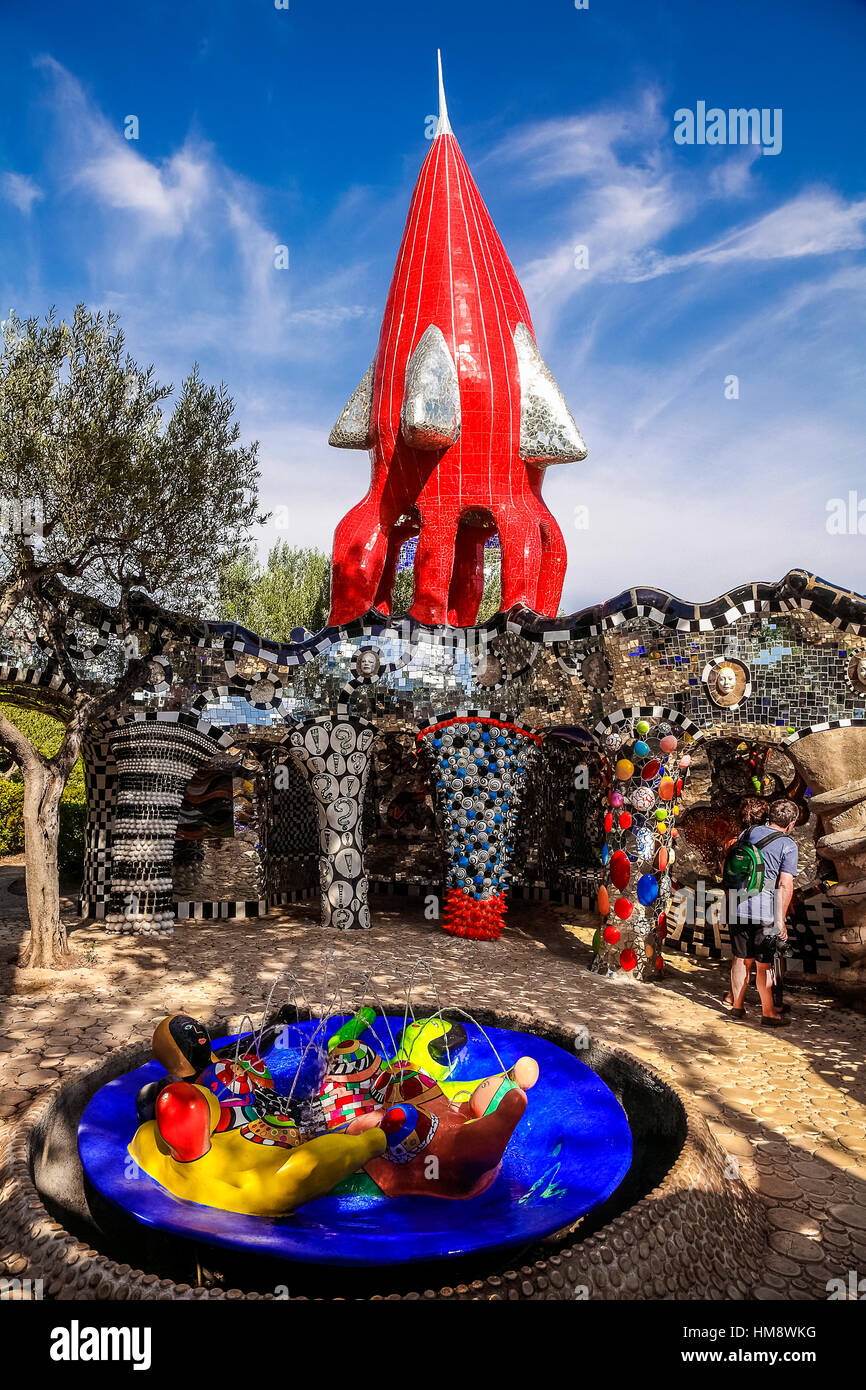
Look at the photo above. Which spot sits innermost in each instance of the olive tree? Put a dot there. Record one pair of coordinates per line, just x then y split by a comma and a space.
118, 497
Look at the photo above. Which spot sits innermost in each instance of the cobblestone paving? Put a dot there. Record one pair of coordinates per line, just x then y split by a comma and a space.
787, 1105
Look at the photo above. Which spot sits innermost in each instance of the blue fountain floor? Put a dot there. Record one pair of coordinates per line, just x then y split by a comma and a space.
570, 1151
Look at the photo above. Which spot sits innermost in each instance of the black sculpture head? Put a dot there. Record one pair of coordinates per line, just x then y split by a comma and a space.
182, 1045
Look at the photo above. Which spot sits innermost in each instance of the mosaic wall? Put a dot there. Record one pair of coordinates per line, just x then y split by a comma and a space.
764, 665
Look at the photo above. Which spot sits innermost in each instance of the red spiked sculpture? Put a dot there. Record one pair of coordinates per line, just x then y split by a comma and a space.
461, 416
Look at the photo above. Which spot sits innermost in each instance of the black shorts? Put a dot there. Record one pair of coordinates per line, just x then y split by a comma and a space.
754, 941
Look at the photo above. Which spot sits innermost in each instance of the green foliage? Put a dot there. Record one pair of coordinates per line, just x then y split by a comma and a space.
404, 588
73, 823
492, 596
292, 590
70, 846
128, 497
11, 818
46, 735
402, 593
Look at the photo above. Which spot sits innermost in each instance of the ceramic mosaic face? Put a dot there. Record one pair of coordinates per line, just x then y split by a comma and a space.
726, 683
367, 662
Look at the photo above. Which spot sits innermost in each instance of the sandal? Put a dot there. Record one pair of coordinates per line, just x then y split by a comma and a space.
770, 1022
737, 1013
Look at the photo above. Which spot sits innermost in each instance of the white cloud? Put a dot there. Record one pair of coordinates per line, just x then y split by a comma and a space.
166, 196
618, 186
93, 155
20, 190
187, 240
815, 223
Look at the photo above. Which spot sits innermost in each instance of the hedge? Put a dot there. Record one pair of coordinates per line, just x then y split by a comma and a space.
46, 734
73, 821
11, 817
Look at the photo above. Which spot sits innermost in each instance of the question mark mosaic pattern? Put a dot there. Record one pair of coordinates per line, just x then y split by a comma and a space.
481, 762
646, 766
333, 755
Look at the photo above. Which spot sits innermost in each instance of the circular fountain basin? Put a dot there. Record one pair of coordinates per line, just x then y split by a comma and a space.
570, 1151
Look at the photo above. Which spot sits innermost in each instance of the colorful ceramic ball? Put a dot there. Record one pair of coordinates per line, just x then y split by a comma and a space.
603, 901
642, 726
625, 820
685, 761
668, 743
644, 843
627, 959
612, 742
608, 823
662, 813
623, 909
624, 769
650, 770
620, 870
616, 799
611, 934
641, 749
647, 890
667, 790
643, 799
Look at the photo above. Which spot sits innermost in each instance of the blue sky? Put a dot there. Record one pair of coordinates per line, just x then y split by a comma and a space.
305, 127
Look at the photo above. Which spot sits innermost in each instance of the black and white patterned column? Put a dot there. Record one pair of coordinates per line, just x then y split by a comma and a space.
155, 760
333, 754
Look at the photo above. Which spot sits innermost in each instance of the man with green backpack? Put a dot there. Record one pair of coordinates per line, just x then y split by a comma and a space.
760, 868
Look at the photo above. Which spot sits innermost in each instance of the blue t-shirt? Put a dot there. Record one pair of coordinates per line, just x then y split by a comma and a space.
780, 857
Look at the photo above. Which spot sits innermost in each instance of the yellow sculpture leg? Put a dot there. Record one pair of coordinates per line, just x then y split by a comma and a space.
255, 1179
414, 1049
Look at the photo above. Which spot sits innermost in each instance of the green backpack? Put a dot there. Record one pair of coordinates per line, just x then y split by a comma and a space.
744, 864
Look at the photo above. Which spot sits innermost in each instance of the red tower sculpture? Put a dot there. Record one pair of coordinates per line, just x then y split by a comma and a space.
461, 416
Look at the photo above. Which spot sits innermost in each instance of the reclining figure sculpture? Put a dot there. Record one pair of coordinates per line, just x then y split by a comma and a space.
216, 1130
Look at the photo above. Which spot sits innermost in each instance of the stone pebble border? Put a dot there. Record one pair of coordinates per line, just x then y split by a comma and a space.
700, 1234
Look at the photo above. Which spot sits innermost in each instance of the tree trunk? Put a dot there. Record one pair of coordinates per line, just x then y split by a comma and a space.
47, 946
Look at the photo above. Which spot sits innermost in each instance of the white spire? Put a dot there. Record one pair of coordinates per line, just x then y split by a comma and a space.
444, 126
